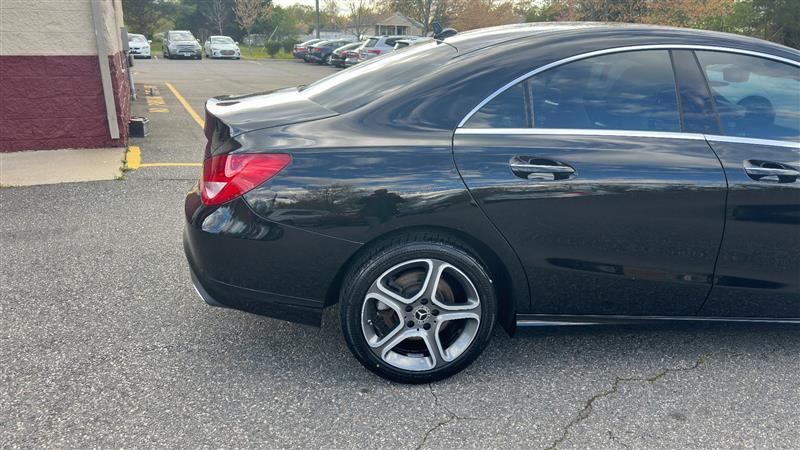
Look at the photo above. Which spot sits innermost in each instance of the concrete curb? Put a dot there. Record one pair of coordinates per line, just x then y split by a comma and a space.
33, 168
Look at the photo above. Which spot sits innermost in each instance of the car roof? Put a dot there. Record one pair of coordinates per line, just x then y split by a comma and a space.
526, 32
220, 35
488, 59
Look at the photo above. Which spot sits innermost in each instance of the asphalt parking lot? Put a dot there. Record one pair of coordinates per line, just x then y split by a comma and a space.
104, 343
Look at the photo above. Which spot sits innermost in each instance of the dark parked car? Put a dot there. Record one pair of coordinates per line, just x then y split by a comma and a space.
525, 176
299, 50
321, 51
339, 55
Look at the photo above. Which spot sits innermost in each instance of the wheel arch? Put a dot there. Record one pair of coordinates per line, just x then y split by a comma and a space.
502, 278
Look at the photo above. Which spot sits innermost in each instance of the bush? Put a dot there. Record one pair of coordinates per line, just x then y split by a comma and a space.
273, 47
288, 44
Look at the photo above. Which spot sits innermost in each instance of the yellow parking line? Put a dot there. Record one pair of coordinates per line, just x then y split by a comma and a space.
133, 158
186, 106
171, 165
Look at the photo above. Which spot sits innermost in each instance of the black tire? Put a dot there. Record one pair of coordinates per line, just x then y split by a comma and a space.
371, 266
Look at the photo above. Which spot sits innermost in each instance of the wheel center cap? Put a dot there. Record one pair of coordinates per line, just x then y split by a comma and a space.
422, 314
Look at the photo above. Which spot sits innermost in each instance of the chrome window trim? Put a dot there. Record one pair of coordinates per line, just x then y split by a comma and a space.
624, 133
621, 50
754, 141
581, 132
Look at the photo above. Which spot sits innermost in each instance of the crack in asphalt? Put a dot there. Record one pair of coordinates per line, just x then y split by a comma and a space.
588, 407
451, 417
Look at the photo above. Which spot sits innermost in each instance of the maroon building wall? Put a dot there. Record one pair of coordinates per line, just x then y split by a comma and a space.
52, 102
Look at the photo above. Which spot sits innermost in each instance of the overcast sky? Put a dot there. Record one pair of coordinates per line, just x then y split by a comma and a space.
292, 2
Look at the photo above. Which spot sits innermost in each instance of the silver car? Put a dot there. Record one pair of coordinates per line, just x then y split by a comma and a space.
403, 43
378, 45
139, 45
222, 47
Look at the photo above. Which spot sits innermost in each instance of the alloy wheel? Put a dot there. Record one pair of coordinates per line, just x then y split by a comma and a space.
421, 314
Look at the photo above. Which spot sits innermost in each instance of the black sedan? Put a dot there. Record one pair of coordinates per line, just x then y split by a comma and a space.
321, 52
522, 176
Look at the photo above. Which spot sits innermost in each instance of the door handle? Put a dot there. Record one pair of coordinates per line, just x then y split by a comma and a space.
533, 168
770, 172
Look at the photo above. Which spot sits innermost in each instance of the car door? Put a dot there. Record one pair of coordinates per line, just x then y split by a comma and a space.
758, 101
585, 169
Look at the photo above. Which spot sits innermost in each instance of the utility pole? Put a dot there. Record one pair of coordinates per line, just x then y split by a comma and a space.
317, 19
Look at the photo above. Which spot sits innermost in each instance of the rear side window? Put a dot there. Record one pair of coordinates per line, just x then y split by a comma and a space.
620, 91
371, 42
507, 110
755, 97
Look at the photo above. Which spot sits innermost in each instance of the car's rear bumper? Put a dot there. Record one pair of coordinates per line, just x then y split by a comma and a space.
241, 261
267, 304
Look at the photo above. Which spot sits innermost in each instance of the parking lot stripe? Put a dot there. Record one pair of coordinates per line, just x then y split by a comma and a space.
186, 106
133, 159
171, 165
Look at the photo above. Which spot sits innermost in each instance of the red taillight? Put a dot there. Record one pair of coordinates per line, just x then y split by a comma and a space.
374, 52
226, 177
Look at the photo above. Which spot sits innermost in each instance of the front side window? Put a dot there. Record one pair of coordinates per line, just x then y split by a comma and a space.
620, 91
755, 97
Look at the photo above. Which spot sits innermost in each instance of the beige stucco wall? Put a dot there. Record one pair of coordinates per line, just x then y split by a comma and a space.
399, 20
56, 27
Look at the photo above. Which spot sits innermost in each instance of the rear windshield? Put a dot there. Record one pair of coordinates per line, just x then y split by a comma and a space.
355, 87
371, 42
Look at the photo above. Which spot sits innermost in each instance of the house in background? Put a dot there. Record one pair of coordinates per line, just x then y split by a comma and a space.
64, 80
395, 23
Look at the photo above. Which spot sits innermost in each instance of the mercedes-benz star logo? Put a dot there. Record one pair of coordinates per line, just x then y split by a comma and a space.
421, 314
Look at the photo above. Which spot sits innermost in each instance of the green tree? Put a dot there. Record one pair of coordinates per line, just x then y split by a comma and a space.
142, 16
780, 21
276, 23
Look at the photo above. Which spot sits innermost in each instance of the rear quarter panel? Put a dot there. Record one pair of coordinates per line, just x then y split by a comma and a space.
363, 187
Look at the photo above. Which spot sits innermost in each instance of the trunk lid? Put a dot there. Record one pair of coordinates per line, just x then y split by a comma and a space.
231, 115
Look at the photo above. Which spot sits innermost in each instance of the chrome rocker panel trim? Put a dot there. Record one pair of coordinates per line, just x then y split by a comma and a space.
554, 320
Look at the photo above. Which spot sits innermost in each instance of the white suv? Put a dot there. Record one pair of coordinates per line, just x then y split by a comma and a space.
378, 45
